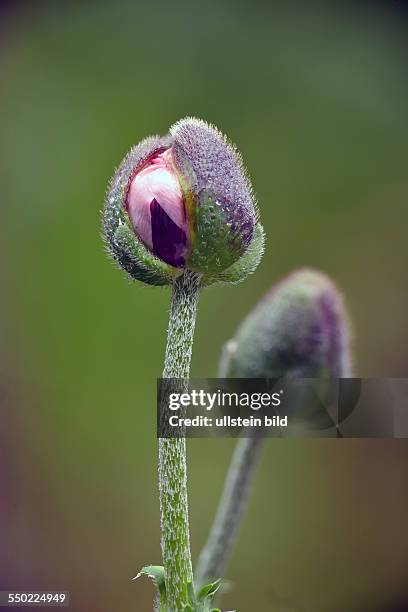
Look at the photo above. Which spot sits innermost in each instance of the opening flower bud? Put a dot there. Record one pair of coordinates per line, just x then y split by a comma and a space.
183, 201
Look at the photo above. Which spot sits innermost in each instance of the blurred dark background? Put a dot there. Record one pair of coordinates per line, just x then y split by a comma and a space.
315, 96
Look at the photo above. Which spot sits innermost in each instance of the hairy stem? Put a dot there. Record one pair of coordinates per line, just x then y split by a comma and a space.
175, 535
215, 555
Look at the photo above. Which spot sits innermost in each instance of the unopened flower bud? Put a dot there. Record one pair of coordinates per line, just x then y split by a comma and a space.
299, 328
183, 201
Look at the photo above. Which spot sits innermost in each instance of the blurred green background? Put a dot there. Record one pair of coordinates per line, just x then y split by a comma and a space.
315, 96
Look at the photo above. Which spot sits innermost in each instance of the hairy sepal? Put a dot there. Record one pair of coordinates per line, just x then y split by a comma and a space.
245, 265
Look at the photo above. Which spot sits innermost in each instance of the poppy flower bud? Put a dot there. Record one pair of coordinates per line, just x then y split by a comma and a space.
183, 201
299, 328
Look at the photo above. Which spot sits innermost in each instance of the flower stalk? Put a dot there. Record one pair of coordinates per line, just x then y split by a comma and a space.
175, 535
217, 551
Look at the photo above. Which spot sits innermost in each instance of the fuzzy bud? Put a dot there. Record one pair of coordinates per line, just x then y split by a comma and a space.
300, 328
183, 201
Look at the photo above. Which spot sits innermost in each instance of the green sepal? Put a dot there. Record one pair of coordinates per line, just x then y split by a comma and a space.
215, 247
139, 263
156, 574
245, 265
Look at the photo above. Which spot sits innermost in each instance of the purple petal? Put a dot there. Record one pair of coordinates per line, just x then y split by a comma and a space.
169, 240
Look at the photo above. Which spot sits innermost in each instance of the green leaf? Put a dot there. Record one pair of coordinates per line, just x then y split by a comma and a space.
209, 590
156, 574
201, 601
191, 593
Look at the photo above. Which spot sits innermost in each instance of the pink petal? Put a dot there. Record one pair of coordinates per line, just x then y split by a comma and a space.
158, 181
